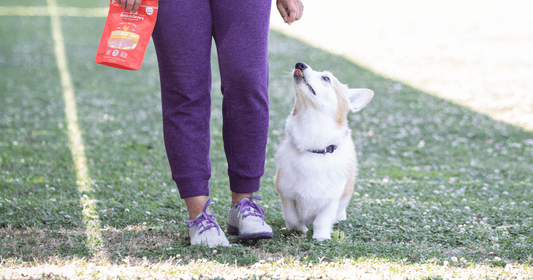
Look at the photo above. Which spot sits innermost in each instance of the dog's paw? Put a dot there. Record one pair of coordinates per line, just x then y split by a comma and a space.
341, 216
321, 238
321, 235
300, 228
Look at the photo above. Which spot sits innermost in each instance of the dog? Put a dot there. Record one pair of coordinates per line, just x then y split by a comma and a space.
316, 159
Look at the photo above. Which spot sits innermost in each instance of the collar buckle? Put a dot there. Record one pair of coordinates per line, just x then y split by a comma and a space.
328, 149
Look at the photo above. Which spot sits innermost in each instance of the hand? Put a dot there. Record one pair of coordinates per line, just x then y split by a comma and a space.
130, 5
290, 10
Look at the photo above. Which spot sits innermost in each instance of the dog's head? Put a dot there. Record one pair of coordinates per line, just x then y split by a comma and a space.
323, 92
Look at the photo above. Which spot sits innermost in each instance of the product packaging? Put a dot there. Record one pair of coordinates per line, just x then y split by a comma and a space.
126, 35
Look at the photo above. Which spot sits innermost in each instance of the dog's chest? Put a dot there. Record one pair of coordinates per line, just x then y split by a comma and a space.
311, 177
315, 176
314, 131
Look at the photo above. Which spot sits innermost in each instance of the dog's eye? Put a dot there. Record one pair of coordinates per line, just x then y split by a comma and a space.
326, 79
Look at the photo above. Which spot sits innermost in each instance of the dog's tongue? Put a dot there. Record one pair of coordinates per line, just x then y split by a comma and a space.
298, 72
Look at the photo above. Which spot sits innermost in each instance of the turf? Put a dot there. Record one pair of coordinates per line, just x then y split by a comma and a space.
437, 182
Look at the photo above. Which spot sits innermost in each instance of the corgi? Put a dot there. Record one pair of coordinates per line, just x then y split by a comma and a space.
316, 159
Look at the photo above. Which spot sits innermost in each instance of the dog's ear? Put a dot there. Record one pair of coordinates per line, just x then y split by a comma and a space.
359, 97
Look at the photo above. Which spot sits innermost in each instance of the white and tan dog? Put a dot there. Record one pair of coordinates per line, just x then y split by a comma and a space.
316, 159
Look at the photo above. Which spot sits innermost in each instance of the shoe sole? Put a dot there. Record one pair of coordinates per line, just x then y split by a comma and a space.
233, 230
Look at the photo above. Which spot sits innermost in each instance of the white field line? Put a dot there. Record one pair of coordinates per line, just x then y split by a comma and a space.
59, 11
83, 181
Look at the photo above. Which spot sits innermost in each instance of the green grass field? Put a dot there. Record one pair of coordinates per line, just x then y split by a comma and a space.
440, 187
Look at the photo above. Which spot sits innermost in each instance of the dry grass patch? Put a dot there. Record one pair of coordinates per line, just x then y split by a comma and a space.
134, 268
35, 244
63, 254
39, 245
133, 240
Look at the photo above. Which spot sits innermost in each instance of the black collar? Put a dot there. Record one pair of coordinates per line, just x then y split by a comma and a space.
329, 149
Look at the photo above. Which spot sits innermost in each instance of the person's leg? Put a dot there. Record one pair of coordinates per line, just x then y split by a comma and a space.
241, 36
182, 37
195, 204
236, 197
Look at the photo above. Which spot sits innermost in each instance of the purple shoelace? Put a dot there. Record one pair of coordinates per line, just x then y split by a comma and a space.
249, 208
210, 218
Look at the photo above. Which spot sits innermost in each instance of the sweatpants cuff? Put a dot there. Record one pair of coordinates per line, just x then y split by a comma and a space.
242, 185
190, 187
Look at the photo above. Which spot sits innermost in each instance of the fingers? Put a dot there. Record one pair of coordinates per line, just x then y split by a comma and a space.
130, 5
297, 12
300, 13
283, 11
136, 6
290, 10
122, 3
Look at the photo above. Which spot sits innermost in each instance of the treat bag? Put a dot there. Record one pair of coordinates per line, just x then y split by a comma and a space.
126, 35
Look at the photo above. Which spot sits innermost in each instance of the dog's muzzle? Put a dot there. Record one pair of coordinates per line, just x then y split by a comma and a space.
299, 77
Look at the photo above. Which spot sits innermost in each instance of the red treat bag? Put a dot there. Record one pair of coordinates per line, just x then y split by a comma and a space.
126, 35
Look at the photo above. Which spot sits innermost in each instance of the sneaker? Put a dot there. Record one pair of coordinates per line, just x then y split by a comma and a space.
246, 219
204, 230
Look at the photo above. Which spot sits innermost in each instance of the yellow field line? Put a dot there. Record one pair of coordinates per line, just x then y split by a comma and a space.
83, 181
59, 11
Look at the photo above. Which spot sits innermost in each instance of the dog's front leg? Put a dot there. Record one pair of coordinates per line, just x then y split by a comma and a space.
290, 215
323, 223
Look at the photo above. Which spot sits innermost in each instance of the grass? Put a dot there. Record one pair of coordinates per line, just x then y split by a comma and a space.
439, 186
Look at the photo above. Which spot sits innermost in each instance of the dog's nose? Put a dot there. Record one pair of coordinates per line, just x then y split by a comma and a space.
300, 66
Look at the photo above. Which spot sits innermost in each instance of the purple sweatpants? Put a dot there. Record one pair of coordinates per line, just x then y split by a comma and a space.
182, 37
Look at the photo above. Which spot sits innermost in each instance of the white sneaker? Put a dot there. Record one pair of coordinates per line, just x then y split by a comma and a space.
204, 230
246, 219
